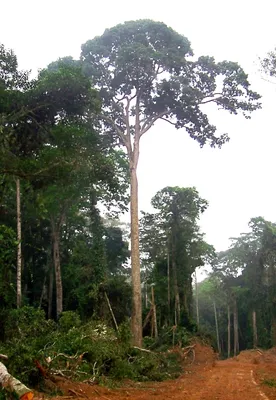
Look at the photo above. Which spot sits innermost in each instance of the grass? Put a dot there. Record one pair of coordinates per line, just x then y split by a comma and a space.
269, 382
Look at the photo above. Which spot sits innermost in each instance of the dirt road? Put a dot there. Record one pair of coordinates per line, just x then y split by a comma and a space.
223, 381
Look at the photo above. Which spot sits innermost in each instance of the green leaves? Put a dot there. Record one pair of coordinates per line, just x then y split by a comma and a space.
130, 55
10, 77
268, 64
173, 247
64, 92
144, 69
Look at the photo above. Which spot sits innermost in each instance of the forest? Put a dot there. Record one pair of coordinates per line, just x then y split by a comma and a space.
82, 292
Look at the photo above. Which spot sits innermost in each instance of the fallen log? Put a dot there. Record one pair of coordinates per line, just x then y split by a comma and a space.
12, 384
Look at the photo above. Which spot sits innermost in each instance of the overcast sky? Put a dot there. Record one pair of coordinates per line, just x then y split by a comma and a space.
238, 180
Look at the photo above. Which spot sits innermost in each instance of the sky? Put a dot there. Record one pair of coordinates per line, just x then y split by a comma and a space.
239, 180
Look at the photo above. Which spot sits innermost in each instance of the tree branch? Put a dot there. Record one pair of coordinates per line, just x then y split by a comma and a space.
137, 116
128, 139
118, 131
167, 120
205, 101
211, 100
149, 122
119, 100
137, 134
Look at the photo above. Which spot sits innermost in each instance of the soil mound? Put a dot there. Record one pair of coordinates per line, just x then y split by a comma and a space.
197, 353
204, 354
258, 356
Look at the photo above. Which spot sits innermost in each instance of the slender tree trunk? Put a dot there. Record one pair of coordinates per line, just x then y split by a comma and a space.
176, 293
136, 318
185, 300
217, 327
146, 296
56, 256
236, 329
19, 249
43, 291
50, 292
169, 283
175, 284
154, 318
196, 293
111, 311
254, 324
229, 332
272, 291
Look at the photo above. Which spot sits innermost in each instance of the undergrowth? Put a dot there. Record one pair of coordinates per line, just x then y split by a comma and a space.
93, 352
269, 382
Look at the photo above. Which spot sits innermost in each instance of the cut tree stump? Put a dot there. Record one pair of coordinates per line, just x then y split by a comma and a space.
12, 384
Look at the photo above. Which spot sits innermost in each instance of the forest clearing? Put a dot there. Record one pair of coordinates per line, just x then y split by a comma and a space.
250, 376
92, 306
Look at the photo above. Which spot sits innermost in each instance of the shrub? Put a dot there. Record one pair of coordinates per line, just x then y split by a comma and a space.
68, 320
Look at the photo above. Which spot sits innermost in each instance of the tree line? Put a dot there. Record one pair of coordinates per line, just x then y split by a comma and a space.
237, 301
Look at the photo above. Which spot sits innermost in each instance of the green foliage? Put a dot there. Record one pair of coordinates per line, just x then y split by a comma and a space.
8, 246
5, 395
117, 251
171, 235
149, 65
82, 351
69, 320
26, 333
269, 382
244, 277
26, 322
268, 64
169, 337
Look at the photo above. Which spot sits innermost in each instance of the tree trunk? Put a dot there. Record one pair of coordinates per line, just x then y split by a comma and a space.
217, 327
56, 256
43, 292
169, 290
176, 293
196, 293
136, 317
175, 284
236, 329
229, 332
154, 318
146, 295
254, 324
12, 384
185, 300
111, 312
19, 249
50, 292
273, 323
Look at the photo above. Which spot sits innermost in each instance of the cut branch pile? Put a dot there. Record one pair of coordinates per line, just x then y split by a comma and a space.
188, 353
71, 366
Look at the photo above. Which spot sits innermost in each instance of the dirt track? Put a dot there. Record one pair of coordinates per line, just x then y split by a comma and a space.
223, 381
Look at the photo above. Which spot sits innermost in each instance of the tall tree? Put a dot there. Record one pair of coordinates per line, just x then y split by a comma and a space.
144, 73
173, 230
